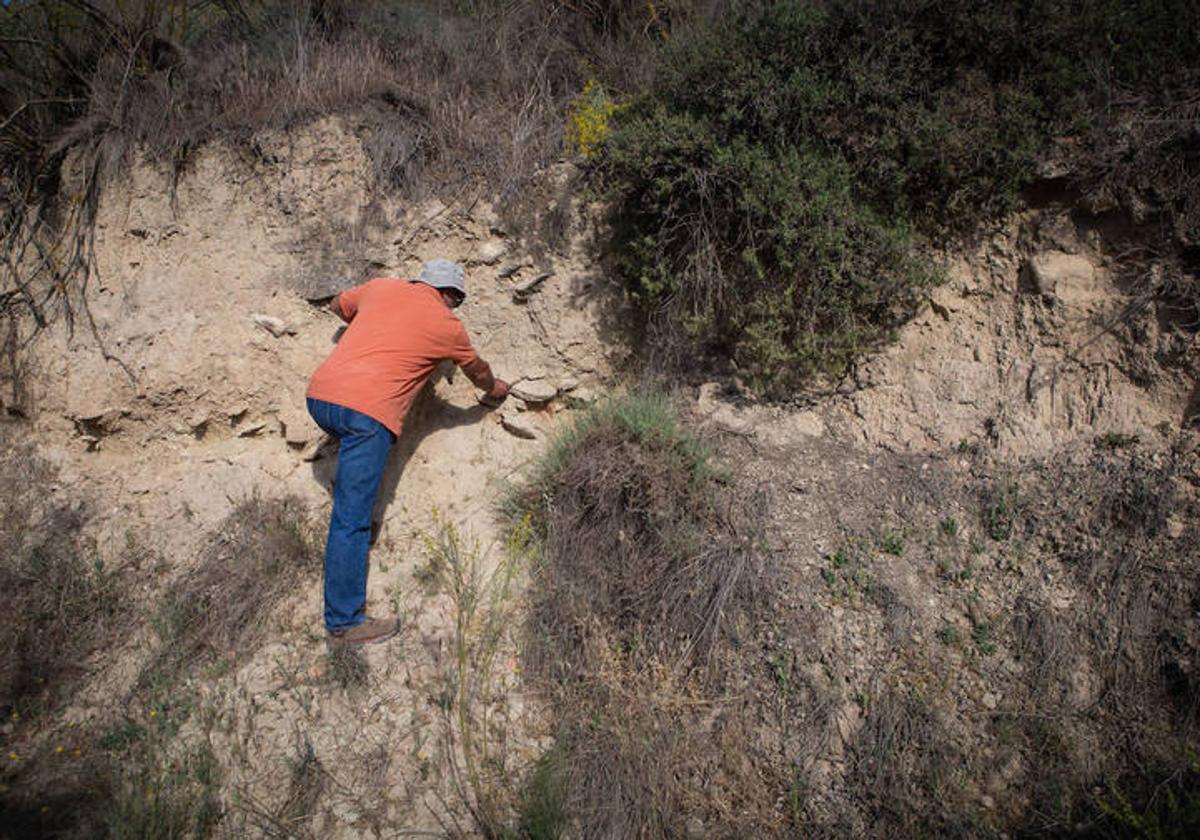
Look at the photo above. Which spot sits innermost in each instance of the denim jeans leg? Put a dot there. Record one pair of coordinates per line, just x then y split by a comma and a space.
362, 456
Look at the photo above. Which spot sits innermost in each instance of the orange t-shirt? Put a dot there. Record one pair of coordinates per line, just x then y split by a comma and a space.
398, 333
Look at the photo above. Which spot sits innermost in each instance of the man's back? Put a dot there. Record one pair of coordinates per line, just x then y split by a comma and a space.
398, 333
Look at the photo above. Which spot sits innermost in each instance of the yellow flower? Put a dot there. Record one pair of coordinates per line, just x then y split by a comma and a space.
13, 756
587, 123
58, 749
75, 753
154, 713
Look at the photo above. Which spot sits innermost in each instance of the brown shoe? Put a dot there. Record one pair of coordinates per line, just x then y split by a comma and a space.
370, 631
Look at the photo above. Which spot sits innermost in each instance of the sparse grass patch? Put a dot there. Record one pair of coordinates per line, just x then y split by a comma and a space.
1105, 519
847, 576
59, 601
220, 609
999, 510
949, 634
891, 543
481, 607
913, 770
174, 800
306, 786
543, 814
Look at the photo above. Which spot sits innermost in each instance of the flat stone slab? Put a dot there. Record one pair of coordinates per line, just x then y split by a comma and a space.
534, 391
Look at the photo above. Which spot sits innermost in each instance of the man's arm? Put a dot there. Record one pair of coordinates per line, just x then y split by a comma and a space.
481, 376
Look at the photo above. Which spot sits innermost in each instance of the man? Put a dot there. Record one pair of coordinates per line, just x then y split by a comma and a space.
398, 333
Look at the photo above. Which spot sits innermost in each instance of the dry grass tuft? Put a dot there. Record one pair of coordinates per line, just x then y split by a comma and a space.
912, 775
1116, 683
61, 604
221, 607
348, 667
643, 567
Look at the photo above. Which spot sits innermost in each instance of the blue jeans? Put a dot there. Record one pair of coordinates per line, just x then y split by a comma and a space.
362, 455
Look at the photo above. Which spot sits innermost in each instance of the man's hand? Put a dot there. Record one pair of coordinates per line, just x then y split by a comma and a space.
335, 306
496, 395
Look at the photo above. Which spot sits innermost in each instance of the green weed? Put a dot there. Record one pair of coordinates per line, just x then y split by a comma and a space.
948, 634
999, 511
892, 543
543, 814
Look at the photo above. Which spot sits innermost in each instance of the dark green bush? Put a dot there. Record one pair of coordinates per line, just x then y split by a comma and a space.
768, 184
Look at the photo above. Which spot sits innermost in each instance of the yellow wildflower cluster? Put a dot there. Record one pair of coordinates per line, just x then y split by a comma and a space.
587, 122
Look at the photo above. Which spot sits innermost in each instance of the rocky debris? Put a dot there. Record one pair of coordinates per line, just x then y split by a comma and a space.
509, 269
523, 292
1057, 276
96, 422
297, 428
534, 391
490, 252
318, 288
197, 423
945, 302
251, 430
516, 425
275, 326
581, 396
721, 413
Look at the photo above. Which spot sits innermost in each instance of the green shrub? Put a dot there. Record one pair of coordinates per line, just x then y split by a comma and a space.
762, 251
768, 186
643, 567
645, 419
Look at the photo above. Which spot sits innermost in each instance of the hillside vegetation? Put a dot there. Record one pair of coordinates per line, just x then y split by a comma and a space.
718, 634
774, 167
774, 180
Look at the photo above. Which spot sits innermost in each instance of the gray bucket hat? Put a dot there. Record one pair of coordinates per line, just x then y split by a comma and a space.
443, 274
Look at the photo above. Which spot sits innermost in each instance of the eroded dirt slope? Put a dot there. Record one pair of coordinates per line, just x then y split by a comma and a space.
201, 304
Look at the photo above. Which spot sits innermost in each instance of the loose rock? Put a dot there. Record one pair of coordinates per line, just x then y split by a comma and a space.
516, 426
534, 391
298, 428
491, 251
523, 292
275, 326
251, 430
316, 448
